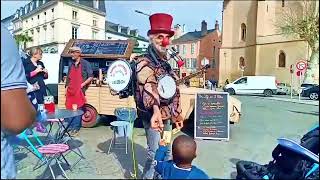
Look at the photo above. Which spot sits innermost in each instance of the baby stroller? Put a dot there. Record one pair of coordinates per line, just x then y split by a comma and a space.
290, 160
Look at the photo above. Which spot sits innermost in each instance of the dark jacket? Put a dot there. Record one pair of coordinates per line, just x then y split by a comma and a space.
40, 77
86, 72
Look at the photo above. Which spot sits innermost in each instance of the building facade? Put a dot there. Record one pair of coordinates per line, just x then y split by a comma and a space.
196, 46
51, 24
7, 22
251, 44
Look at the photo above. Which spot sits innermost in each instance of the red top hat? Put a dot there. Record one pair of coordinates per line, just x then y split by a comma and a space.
160, 23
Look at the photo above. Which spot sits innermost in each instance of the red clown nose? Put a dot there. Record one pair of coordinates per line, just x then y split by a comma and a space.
165, 42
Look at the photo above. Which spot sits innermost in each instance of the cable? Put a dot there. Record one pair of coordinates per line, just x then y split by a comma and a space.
132, 142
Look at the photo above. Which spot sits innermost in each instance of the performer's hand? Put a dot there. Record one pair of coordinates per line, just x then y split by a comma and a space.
162, 142
156, 121
179, 124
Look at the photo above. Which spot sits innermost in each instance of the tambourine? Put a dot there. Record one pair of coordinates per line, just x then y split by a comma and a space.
166, 86
119, 75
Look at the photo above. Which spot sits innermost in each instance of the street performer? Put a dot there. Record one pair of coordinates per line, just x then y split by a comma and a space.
156, 112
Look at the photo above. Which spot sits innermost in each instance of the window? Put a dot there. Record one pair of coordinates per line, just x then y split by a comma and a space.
192, 48
241, 81
45, 13
214, 51
183, 49
193, 63
38, 16
74, 32
213, 64
282, 3
188, 63
242, 63
94, 34
52, 10
94, 22
282, 59
109, 37
243, 32
74, 15
96, 4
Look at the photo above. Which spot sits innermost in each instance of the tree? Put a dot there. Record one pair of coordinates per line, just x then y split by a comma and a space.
303, 22
22, 39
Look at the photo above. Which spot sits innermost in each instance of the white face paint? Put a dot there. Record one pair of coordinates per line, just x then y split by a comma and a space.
156, 41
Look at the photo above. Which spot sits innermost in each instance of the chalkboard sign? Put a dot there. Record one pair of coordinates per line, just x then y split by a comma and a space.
102, 47
211, 116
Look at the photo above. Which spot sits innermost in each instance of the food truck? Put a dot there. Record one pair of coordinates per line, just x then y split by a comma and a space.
100, 99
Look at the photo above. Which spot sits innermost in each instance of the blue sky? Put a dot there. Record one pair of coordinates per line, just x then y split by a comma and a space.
190, 13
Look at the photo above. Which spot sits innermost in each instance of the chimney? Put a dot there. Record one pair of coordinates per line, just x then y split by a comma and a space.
216, 26
204, 29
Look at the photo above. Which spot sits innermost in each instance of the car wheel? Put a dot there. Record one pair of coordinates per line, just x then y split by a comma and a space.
314, 96
267, 92
231, 91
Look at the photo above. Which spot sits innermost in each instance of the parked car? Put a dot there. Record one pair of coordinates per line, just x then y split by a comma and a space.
311, 91
305, 85
283, 88
265, 85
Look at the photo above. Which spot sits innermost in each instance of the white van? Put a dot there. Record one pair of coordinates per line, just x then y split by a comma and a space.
253, 85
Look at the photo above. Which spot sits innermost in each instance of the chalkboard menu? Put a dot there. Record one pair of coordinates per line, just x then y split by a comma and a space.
211, 116
103, 49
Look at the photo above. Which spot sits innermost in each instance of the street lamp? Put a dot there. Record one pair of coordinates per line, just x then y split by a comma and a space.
140, 12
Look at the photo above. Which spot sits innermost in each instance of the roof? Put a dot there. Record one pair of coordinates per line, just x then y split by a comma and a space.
191, 36
113, 28
8, 18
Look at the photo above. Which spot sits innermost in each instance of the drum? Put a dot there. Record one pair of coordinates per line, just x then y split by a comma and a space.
119, 75
166, 86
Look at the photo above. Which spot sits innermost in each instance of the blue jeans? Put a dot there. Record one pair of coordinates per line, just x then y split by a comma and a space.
8, 167
153, 138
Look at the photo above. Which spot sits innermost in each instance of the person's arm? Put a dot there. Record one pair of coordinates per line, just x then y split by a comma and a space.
44, 70
90, 75
160, 156
13, 88
14, 119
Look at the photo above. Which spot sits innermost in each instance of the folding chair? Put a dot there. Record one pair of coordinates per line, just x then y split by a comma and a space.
59, 135
46, 153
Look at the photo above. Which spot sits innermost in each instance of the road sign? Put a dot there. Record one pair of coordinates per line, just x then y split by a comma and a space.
299, 73
301, 65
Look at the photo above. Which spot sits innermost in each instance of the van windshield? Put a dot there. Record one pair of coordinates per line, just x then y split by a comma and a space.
241, 81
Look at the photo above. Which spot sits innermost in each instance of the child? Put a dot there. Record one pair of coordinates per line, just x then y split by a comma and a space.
183, 152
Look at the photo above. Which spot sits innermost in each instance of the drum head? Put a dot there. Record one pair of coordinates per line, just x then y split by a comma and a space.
167, 87
119, 75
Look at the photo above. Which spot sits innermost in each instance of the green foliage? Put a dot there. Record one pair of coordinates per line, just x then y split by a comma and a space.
301, 22
22, 38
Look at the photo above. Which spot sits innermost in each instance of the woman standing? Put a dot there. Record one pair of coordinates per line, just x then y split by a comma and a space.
36, 73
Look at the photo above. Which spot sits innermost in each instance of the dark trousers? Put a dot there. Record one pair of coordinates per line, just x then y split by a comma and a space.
76, 122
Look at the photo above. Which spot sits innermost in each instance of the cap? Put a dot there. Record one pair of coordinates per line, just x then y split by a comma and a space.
72, 49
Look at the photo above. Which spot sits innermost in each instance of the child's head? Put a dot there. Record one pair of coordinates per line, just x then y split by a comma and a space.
183, 150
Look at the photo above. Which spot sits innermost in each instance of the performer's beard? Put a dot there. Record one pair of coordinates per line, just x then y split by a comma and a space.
162, 51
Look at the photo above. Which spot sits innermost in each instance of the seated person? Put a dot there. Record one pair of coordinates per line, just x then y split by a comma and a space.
183, 152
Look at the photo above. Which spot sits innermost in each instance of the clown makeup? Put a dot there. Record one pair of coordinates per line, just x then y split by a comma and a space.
160, 42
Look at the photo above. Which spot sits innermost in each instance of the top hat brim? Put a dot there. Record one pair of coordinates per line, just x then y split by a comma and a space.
156, 31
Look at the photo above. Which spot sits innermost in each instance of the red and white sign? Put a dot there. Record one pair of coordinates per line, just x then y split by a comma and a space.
301, 65
299, 73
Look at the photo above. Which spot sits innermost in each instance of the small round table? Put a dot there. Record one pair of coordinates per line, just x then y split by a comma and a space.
63, 113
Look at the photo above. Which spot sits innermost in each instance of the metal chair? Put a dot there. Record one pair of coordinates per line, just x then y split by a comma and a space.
124, 126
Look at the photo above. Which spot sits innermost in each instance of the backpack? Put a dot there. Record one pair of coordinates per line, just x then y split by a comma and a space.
286, 164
